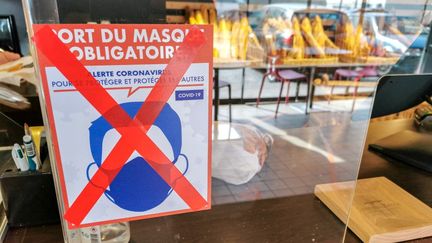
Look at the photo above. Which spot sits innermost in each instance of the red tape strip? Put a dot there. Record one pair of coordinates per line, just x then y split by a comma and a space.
133, 131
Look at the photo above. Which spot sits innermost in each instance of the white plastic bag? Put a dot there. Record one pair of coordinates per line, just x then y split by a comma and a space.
239, 152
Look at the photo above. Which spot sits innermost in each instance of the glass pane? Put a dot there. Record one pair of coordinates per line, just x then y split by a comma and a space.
294, 84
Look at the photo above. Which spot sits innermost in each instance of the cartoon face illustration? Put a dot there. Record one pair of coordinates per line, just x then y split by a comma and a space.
138, 187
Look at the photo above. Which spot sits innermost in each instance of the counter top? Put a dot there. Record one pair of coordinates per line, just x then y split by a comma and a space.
291, 219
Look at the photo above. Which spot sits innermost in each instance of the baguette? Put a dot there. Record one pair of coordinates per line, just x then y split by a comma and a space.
205, 14
310, 39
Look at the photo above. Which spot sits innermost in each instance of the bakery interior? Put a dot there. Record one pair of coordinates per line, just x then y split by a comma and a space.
293, 108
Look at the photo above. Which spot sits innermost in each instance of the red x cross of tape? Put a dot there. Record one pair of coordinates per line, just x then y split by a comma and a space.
133, 131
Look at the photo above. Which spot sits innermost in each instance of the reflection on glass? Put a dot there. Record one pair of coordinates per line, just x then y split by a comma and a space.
330, 55
342, 47
395, 165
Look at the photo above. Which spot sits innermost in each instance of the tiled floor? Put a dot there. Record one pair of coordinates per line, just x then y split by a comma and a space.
322, 147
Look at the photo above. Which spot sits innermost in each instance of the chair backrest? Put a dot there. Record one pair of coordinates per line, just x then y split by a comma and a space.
370, 71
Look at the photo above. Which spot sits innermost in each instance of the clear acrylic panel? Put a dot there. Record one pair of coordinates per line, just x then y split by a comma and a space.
18, 106
11, 133
294, 86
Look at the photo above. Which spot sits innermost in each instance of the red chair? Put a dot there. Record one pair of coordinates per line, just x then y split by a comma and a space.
283, 76
348, 74
345, 74
365, 72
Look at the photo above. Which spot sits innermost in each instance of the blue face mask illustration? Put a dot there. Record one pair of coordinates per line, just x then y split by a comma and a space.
137, 187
